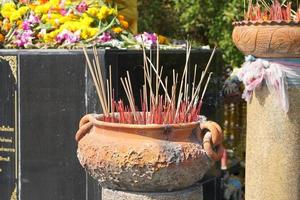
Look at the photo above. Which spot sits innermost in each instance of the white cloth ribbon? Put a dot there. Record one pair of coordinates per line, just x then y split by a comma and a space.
275, 74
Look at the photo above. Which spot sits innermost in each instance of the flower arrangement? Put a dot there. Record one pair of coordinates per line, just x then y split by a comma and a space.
276, 11
68, 24
61, 23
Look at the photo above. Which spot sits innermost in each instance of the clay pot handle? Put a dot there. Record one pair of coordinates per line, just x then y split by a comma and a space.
212, 140
85, 125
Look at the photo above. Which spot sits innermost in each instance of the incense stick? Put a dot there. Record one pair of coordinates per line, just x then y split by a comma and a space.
160, 80
161, 108
204, 90
93, 73
110, 89
202, 78
99, 72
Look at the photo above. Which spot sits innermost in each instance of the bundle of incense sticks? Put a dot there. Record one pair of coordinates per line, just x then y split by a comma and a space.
179, 103
262, 11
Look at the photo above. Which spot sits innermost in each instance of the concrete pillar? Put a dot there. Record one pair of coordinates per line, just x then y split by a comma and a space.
192, 193
273, 148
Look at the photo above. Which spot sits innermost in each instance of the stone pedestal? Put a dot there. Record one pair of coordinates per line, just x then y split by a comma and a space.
192, 193
273, 148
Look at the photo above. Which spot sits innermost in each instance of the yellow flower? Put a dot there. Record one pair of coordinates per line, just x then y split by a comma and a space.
93, 11
72, 26
22, 10
84, 34
14, 16
104, 12
47, 38
86, 20
54, 33
93, 31
42, 9
87, 32
50, 37
54, 3
8, 9
113, 11
68, 2
117, 29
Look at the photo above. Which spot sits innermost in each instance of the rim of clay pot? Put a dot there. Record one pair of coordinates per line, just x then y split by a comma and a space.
260, 22
95, 120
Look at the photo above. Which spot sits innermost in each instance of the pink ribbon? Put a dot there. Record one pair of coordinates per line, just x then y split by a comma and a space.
255, 71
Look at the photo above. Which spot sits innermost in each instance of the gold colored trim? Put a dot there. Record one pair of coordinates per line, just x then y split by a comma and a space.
14, 194
12, 61
6, 129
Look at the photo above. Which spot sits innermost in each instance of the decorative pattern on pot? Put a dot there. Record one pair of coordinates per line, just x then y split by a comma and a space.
267, 40
147, 157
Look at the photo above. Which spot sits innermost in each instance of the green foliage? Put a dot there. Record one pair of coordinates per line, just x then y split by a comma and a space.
201, 21
157, 16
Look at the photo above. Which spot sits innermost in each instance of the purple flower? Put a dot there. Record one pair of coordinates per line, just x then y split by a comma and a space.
63, 11
82, 7
32, 19
26, 25
147, 38
68, 37
105, 37
24, 38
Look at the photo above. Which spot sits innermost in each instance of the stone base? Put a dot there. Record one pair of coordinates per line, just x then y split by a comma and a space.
192, 193
273, 146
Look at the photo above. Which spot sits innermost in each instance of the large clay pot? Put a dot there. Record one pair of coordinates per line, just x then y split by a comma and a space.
147, 157
267, 39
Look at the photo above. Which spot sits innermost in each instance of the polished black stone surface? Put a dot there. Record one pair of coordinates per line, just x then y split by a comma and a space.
52, 99
54, 91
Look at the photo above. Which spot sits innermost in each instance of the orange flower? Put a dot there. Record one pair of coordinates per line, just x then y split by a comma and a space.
6, 27
124, 24
117, 29
39, 35
32, 6
2, 38
162, 39
43, 1
19, 23
121, 17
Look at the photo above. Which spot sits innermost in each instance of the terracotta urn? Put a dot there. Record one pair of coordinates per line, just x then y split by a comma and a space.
147, 157
271, 39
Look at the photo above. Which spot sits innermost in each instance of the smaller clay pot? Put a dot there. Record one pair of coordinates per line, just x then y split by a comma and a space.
268, 39
147, 157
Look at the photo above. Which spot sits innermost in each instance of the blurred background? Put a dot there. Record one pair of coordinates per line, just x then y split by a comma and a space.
204, 22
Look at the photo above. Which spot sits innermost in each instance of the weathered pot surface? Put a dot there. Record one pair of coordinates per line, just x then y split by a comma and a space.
147, 157
267, 39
